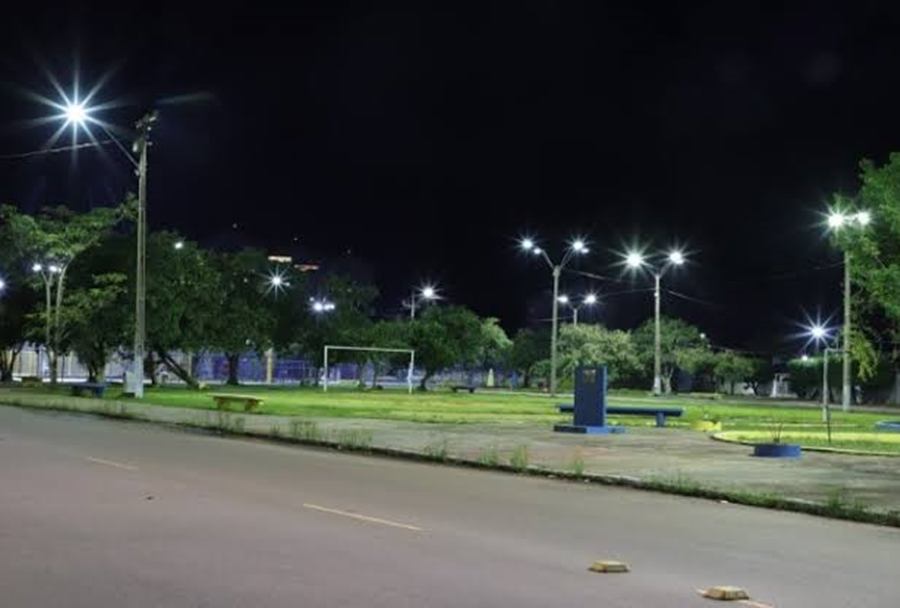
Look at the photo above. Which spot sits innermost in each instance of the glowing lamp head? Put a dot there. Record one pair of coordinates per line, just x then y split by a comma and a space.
590, 299
428, 292
804, 357
76, 113
863, 218
2, 284
37, 268
563, 299
578, 246
179, 245
537, 251
836, 220
634, 260
53, 268
817, 332
527, 244
276, 281
676, 258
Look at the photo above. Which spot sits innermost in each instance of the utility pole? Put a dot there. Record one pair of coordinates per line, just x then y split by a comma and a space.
141, 146
554, 329
657, 340
846, 393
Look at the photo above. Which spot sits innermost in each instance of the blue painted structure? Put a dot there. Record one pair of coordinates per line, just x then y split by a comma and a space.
660, 413
888, 425
590, 403
777, 450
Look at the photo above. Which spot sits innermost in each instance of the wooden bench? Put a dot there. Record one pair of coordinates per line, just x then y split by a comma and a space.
249, 402
463, 387
31, 381
660, 413
94, 388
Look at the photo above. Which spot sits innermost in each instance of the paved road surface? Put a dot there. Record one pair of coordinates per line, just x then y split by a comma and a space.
102, 513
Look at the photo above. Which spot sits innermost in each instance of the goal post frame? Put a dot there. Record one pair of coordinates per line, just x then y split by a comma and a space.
409, 374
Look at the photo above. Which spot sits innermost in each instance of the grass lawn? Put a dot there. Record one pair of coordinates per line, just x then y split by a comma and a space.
750, 420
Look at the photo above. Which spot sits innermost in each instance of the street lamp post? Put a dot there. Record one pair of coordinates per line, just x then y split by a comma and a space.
588, 300
837, 221
425, 293
636, 260
78, 114
51, 274
576, 247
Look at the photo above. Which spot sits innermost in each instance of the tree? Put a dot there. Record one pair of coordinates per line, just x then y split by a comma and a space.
495, 346
244, 319
55, 238
761, 372
18, 303
347, 324
529, 347
596, 345
444, 336
875, 264
677, 340
96, 321
182, 300
387, 334
731, 368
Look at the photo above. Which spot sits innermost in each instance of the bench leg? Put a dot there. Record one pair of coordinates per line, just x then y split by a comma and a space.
660, 419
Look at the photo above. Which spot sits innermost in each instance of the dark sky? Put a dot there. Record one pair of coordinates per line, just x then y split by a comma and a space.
424, 140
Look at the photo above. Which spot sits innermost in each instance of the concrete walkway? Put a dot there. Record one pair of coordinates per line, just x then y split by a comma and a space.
644, 453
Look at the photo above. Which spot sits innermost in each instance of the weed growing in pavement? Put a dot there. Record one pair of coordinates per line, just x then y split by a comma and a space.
489, 457
355, 439
437, 451
519, 458
576, 467
306, 430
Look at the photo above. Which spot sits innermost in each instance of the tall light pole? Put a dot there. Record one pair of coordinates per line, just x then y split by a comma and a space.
141, 146
837, 221
79, 115
425, 293
576, 247
588, 300
637, 260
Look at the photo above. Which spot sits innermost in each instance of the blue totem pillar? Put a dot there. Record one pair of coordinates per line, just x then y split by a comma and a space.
590, 403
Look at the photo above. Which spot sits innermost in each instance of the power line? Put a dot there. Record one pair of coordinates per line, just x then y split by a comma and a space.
56, 150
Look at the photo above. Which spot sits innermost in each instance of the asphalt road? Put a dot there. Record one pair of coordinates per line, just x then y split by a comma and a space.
103, 513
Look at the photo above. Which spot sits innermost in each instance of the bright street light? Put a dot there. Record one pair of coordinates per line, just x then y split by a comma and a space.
76, 113
563, 299
577, 246
838, 220
429, 293
179, 245
636, 260
818, 332
321, 306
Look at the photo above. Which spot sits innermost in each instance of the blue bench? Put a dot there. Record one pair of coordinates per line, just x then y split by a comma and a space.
94, 388
660, 413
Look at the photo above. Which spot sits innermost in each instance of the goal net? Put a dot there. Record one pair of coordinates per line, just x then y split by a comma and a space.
409, 373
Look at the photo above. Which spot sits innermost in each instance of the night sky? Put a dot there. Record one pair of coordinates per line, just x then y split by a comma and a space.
424, 141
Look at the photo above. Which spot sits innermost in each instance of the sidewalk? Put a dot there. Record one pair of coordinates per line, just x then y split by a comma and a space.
676, 456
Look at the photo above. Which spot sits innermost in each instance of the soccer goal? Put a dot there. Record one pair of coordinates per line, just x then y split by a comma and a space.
409, 373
